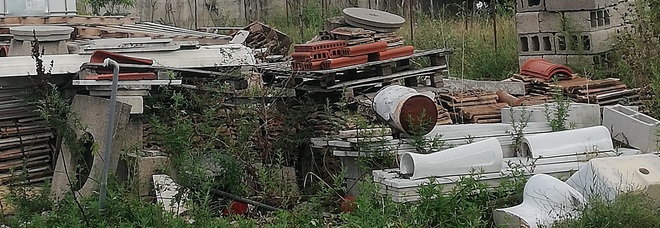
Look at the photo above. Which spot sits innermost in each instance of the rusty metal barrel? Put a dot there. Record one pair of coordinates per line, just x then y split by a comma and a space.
405, 109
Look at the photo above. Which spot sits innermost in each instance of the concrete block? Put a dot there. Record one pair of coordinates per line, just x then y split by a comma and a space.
354, 172
92, 114
586, 42
633, 128
593, 20
575, 5
140, 169
550, 21
527, 22
530, 5
513, 88
24, 48
136, 102
570, 59
536, 44
606, 178
132, 134
579, 115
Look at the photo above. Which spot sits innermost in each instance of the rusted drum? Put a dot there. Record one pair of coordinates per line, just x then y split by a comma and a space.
405, 109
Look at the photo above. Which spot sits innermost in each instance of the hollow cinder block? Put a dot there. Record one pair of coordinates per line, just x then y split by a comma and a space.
536, 44
530, 5
603, 60
632, 127
593, 20
586, 42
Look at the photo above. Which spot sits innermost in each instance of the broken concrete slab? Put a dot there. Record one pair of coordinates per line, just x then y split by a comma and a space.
92, 114
579, 115
513, 88
632, 127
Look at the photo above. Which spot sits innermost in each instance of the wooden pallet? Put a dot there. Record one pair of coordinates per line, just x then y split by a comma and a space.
339, 77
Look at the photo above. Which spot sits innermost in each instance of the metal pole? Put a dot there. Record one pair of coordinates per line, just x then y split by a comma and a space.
412, 23
196, 26
494, 14
109, 131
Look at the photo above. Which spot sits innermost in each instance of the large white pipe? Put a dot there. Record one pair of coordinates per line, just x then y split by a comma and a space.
406, 109
570, 142
486, 155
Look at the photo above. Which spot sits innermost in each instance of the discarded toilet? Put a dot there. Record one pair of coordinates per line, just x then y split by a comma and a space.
406, 109
569, 142
486, 155
545, 200
605, 178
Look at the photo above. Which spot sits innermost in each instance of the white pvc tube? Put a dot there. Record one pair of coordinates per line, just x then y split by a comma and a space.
486, 155
570, 142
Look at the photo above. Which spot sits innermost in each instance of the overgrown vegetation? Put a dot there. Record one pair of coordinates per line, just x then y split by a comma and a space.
216, 142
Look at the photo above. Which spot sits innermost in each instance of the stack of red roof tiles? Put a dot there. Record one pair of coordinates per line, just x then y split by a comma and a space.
331, 54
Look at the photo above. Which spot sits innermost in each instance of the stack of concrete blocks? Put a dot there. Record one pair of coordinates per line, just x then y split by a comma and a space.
356, 147
550, 29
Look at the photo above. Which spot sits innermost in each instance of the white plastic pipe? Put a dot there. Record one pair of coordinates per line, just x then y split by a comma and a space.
545, 200
570, 142
486, 155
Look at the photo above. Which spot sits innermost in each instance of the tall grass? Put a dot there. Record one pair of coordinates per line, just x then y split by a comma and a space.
475, 55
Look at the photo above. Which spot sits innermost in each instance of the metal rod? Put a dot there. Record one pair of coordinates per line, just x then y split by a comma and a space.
244, 200
412, 18
109, 131
196, 26
494, 14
